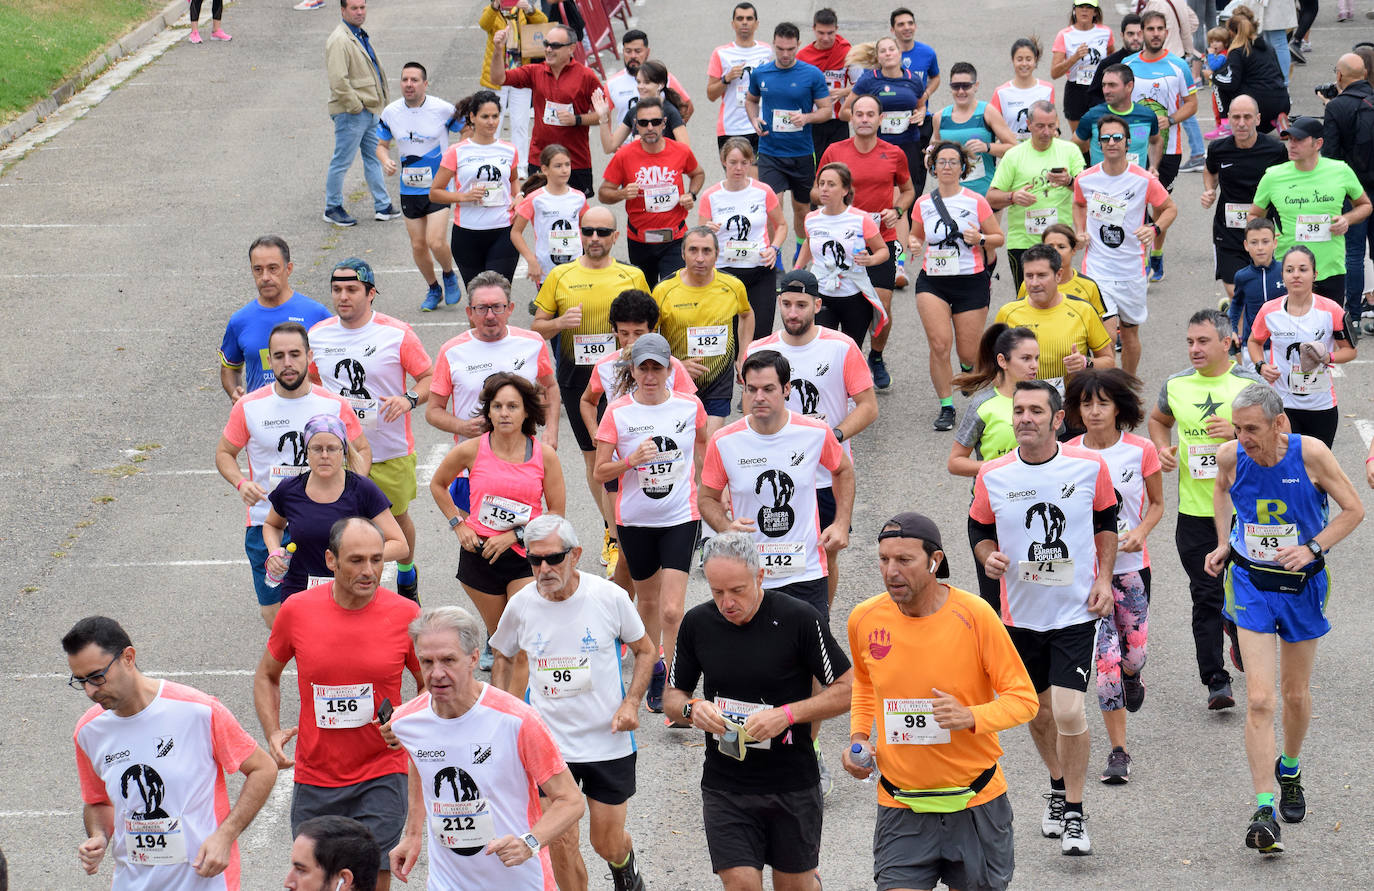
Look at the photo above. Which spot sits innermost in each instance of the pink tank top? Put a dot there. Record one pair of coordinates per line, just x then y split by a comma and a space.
504, 495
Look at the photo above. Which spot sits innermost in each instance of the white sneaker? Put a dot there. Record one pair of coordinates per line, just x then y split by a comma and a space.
1075, 842
1052, 822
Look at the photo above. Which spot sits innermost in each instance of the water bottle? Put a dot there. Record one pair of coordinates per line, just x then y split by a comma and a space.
274, 580
862, 757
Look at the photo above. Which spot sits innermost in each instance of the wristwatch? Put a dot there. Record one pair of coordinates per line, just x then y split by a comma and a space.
413, 397
839, 434
1259, 367
455, 522
519, 535
529, 839
1315, 548
687, 709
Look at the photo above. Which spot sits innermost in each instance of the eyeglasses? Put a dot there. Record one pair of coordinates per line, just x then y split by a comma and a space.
650, 122
947, 162
598, 231
492, 309
1112, 137
554, 559
961, 85
551, 44
95, 680
325, 450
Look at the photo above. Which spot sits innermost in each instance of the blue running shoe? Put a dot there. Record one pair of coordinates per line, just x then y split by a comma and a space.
452, 293
432, 298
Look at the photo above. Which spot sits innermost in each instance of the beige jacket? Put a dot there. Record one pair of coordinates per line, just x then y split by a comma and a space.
354, 84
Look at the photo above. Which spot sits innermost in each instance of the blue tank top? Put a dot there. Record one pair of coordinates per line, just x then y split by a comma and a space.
1275, 506
974, 128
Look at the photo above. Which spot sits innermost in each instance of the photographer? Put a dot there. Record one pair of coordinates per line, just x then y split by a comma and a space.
1348, 135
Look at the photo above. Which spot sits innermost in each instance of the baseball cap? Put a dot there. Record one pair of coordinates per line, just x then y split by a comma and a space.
800, 280
363, 270
1092, 3
1303, 128
651, 346
913, 525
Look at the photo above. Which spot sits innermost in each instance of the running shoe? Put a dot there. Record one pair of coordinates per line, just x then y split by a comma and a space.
1075, 841
1156, 269
900, 281
1118, 769
1052, 821
1219, 696
432, 298
1296, 52
1223, 304
309, 4
655, 698
1263, 834
827, 781
605, 547
1133, 689
194, 38
452, 292
487, 659
218, 34
614, 561
412, 590
1307, 46
627, 877
944, 421
1235, 658
1222, 131
386, 213
1196, 162
878, 368
1292, 803
338, 216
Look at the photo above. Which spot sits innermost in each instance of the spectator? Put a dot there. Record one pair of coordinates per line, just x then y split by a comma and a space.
1252, 68
1348, 135
357, 95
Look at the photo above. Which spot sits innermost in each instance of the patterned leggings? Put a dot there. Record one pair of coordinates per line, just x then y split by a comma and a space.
1121, 637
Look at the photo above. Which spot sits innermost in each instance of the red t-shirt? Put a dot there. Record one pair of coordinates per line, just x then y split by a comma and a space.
574, 86
337, 647
831, 63
662, 180
875, 174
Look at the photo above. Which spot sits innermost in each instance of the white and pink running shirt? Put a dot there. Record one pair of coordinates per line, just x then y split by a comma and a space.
1116, 207
1284, 331
732, 120
491, 165
1014, 104
1131, 460
465, 363
743, 218
662, 492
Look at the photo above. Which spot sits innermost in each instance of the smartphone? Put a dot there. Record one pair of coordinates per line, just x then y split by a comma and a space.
1059, 170
384, 711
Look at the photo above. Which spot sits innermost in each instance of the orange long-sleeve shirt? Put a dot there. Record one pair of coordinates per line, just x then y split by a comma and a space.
964, 650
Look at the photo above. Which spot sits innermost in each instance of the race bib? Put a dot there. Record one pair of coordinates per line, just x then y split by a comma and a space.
659, 474
416, 177
280, 473
911, 722
1236, 215
1054, 573
739, 712
1107, 209
1041, 218
743, 89
558, 677
499, 514
707, 340
494, 196
782, 558
562, 243
942, 261
1083, 74
588, 349
315, 581
1263, 540
783, 122
660, 199
462, 825
551, 110
369, 411
1202, 461
742, 250
342, 707
894, 122
154, 842
1314, 227
1308, 383
1133, 158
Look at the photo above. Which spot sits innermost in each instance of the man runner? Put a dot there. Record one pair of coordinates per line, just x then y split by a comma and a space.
727, 75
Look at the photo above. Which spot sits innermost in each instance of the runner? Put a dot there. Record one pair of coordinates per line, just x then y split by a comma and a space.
957, 828
1295, 341
553, 208
484, 171
770, 671
842, 242
270, 423
1005, 356
337, 853
1198, 401
1106, 404
1132, 39
658, 179
489, 811
959, 229
727, 76
1035, 182
1144, 144
1069, 330
365, 357
1077, 51
977, 126
1256, 284
617, 125
622, 90
1071, 282
747, 215
243, 358
829, 52
833, 385
1277, 582
1051, 599
420, 125
1013, 99
171, 825
342, 765
704, 315
569, 627
920, 62
1110, 200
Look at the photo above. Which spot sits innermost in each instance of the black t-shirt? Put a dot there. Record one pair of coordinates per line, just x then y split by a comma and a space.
669, 110
1238, 172
771, 660
1095, 96
308, 522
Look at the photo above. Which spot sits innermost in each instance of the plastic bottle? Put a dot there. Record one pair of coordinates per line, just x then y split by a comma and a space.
274, 580
862, 757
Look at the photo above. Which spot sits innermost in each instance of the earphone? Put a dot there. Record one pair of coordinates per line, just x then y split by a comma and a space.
933, 564
339, 887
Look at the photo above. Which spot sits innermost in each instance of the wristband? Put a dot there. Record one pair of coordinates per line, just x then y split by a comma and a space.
787, 710
238, 487
279, 552
1370, 458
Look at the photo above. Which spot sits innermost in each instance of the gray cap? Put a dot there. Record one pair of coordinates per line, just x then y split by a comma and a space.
651, 346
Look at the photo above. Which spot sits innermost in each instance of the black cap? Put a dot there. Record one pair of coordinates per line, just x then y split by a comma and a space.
1303, 128
800, 280
913, 525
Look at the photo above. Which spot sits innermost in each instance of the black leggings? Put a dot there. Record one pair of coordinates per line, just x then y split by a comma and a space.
1307, 14
477, 250
761, 283
1319, 423
852, 315
216, 10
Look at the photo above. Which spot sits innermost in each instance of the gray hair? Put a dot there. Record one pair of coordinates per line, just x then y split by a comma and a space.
704, 231
488, 278
545, 525
1262, 395
470, 632
731, 546
1042, 105
1219, 320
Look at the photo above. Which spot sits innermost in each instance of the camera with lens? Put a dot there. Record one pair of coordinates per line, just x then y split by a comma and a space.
1327, 91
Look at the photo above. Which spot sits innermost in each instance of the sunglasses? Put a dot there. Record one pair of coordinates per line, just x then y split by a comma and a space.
598, 231
1112, 137
961, 86
554, 559
650, 122
552, 44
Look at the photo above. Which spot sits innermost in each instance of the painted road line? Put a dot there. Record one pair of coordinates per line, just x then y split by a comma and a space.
198, 673
1366, 430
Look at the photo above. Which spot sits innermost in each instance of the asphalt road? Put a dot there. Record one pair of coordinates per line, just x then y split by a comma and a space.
122, 253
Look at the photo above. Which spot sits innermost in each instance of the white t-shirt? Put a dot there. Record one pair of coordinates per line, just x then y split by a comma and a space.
365, 365
772, 480
163, 772
555, 220
473, 163
1116, 207
1014, 103
465, 363
834, 239
1098, 40
576, 681
421, 135
732, 120
743, 218
1284, 332
662, 492
1131, 460
482, 770
946, 252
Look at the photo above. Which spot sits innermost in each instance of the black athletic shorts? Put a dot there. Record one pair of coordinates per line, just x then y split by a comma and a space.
417, 207
1168, 170
963, 293
753, 139
581, 179
1077, 101
492, 578
647, 549
1226, 262
777, 829
827, 133
571, 386
797, 174
1332, 288
813, 591
609, 782
1060, 657
884, 275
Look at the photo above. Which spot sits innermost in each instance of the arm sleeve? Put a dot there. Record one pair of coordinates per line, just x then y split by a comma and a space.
414, 359
519, 77
281, 645
1149, 459
371, 499
1155, 193
383, 131
606, 430
820, 87
685, 670
682, 379
713, 468
544, 365
230, 351
1262, 191
1016, 702
1162, 403
506, 640
713, 67
970, 430
450, 159
857, 376
547, 299
870, 227
981, 508
236, 430
1097, 334
1259, 328
862, 702
614, 172
831, 452
824, 655
538, 752
1058, 46
232, 744
92, 786
526, 208
442, 382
